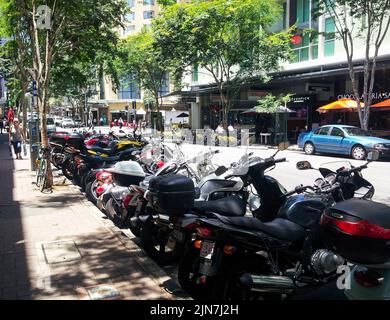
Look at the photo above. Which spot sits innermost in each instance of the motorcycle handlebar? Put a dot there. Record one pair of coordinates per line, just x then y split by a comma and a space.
280, 160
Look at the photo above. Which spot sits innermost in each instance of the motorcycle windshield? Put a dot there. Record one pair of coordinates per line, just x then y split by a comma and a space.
241, 168
334, 167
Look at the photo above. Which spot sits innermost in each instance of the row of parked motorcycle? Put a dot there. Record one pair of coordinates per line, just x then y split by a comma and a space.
236, 232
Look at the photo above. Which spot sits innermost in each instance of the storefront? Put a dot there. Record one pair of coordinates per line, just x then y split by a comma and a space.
302, 116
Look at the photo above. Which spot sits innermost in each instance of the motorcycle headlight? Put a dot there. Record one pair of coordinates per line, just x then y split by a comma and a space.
380, 146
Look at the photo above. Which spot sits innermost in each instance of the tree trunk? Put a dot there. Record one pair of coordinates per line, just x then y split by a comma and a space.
24, 111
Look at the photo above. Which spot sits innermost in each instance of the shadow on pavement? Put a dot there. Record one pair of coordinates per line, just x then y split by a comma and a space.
14, 269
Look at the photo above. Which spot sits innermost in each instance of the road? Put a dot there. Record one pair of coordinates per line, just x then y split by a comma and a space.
290, 177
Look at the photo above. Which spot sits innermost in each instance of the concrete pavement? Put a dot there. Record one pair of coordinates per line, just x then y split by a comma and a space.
59, 246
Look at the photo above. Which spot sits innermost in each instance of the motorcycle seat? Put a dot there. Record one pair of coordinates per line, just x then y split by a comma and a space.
282, 229
231, 206
108, 151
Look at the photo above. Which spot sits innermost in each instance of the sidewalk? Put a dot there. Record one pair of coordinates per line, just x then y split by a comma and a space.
59, 246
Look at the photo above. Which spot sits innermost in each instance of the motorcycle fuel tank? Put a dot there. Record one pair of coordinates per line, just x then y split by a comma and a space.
305, 210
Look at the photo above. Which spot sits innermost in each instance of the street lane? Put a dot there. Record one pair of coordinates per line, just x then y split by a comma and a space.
377, 173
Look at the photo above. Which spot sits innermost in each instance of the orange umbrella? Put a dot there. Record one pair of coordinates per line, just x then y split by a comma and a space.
340, 105
385, 105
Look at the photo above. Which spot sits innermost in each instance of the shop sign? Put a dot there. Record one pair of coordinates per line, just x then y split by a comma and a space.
301, 99
188, 99
375, 96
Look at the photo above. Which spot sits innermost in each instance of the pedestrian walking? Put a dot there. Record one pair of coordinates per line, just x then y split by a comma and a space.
1, 126
16, 138
10, 115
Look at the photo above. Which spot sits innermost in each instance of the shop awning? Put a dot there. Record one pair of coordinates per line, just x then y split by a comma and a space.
382, 106
340, 105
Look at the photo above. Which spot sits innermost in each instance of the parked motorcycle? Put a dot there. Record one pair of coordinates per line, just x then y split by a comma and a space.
164, 235
359, 231
245, 258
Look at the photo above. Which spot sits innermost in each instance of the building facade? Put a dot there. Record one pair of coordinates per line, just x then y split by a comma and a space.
120, 103
317, 74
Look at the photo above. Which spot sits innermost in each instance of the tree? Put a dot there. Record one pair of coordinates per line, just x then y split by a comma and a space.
58, 29
140, 63
271, 103
230, 39
15, 57
368, 20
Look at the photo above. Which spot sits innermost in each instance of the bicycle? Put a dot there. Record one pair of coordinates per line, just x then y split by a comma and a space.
42, 165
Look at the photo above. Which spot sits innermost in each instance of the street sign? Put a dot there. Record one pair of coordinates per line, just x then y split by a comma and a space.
35, 91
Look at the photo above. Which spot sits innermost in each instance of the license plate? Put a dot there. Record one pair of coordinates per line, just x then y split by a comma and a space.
207, 249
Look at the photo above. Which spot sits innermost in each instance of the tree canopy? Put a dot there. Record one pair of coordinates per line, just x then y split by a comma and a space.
232, 40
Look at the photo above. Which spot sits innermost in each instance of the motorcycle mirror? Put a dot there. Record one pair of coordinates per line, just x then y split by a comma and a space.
304, 165
220, 171
373, 156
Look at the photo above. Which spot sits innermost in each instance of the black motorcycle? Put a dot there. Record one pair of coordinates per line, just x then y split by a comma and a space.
164, 234
245, 258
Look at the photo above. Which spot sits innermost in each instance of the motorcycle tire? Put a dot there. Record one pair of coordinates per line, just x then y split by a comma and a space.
90, 190
187, 275
111, 212
153, 236
135, 227
66, 172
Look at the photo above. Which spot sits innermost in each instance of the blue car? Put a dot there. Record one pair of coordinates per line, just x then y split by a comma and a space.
341, 139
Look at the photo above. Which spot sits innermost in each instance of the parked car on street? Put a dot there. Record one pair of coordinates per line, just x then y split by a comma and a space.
78, 123
342, 139
50, 125
58, 121
67, 123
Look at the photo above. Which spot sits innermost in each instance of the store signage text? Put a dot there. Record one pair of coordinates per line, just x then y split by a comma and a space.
375, 95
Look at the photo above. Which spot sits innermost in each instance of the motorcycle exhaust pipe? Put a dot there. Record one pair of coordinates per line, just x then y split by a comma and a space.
269, 284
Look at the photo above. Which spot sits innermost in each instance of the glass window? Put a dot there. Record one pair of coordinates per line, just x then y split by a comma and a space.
356, 132
129, 89
329, 44
130, 16
129, 29
195, 73
165, 85
148, 2
130, 3
303, 11
336, 132
324, 131
148, 14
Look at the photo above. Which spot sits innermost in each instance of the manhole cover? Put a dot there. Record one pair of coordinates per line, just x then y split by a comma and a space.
60, 251
102, 292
